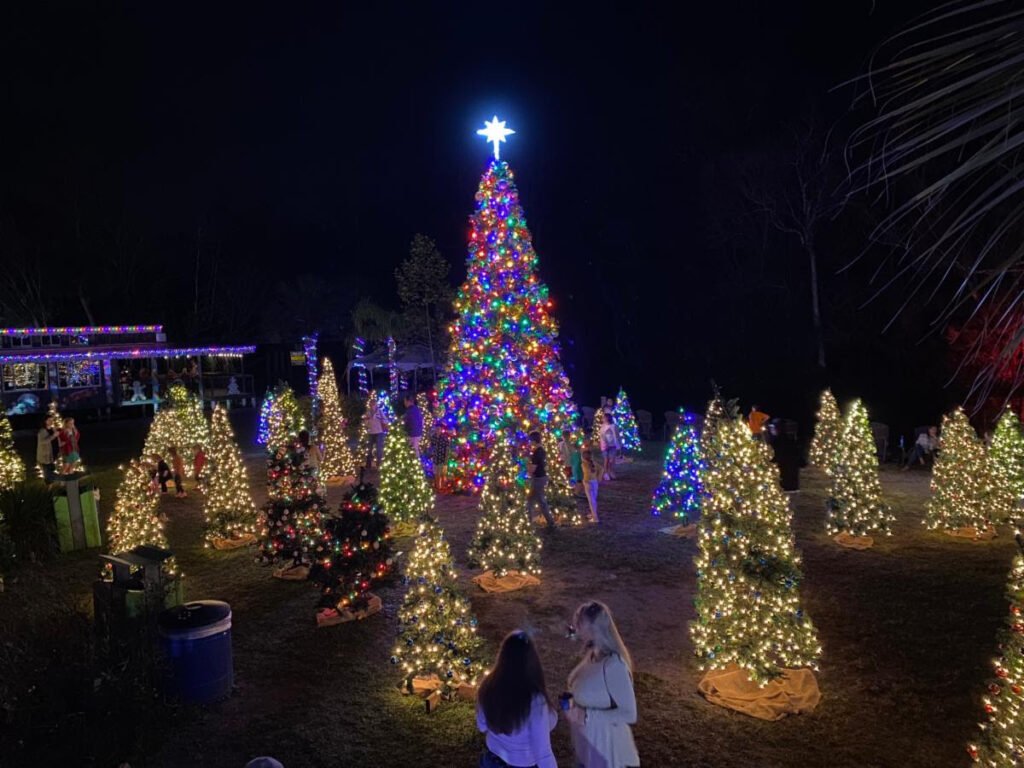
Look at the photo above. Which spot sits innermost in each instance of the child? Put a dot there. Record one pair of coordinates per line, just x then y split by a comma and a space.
198, 463
68, 439
575, 462
179, 471
590, 477
162, 473
609, 445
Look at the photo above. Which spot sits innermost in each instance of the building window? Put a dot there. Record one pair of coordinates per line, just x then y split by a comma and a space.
22, 376
81, 373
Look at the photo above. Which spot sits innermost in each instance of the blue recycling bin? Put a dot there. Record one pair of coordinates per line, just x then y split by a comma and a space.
196, 639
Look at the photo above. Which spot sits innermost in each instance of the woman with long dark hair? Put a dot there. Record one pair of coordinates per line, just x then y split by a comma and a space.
513, 709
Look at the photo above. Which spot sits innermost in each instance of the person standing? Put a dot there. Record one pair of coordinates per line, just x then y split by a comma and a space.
47, 448
413, 422
590, 477
756, 421
179, 471
609, 446
375, 430
603, 704
198, 463
513, 710
539, 480
161, 472
69, 443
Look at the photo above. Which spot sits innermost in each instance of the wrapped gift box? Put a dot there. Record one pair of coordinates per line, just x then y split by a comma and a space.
78, 518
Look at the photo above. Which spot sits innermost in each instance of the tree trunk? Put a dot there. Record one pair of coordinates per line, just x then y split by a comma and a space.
430, 339
819, 335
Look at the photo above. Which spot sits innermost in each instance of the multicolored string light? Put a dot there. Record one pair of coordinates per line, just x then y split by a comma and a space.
680, 492
625, 423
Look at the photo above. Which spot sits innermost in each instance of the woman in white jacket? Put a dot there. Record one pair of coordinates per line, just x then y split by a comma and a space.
603, 705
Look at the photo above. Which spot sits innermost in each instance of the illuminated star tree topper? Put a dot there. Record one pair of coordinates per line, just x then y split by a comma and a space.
495, 132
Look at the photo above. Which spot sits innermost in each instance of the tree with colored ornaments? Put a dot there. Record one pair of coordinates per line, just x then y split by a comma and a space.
855, 505
405, 494
338, 460
749, 611
558, 492
680, 492
291, 528
358, 553
1001, 744
180, 424
281, 419
505, 539
1006, 462
436, 626
136, 520
827, 433
228, 507
12, 469
503, 362
625, 423
962, 487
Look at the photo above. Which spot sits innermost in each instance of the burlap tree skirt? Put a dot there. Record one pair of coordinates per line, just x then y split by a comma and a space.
510, 582
244, 540
405, 529
795, 692
328, 617
292, 573
850, 541
680, 531
972, 533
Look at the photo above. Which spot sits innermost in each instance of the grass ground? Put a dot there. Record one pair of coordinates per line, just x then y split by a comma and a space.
908, 630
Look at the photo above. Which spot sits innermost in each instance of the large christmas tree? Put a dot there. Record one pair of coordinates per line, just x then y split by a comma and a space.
227, 501
1006, 462
827, 433
291, 528
625, 423
505, 539
180, 423
405, 494
503, 363
436, 626
338, 460
12, 470
855, 505
748, 569
962, 487
135, 521
680, 492
1002, 734
280, 419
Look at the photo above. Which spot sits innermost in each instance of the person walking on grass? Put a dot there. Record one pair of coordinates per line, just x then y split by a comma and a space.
609, 446
513, 710
602, 707
539, 480
179, 471
590, 477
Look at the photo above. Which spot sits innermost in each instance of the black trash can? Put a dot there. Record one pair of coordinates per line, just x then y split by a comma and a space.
196, 639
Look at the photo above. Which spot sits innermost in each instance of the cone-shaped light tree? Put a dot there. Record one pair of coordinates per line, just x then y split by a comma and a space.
558, 492
827, 433
595, 428
405, 494
855, 505
12, 469
291, 532
962, 487
1006, 462
625, 423
680, 493
281, 419
748, 569
227, 501
180, 423
338, 460
505, 539
1001, 744
423, 401
436, 626
135, 520
503, 367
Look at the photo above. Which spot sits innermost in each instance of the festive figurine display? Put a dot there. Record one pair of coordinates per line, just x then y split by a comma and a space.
962, 486
679, 493
338, 460
827, 433
228, 507
437, 640
504, 365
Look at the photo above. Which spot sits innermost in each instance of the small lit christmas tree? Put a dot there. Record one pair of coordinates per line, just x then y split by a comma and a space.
680, 492
423, 401
597, 426
357, 554
1006, 462
405, 494
827, 433
505, 540
1002, 734
558, 492
291, 533
228, 507
12, 469
436, 627
625, 423
135, 521
855, 506
962, 488
748, 569
338, 460
281, 418
180, 424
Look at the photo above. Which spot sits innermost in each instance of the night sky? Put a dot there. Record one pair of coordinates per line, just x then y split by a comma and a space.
302, 138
